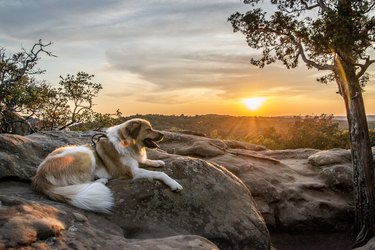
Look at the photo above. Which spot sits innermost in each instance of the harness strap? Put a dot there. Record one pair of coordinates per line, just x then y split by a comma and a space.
96, 138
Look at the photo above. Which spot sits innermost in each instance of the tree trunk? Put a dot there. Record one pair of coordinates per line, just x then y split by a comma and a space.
362, 159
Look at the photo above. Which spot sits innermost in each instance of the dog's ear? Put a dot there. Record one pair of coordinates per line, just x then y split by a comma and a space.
129, 133
133, 128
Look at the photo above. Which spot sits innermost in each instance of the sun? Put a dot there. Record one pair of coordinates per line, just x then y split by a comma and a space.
254, 103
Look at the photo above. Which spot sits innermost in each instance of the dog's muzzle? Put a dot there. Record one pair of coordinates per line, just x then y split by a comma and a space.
151, 142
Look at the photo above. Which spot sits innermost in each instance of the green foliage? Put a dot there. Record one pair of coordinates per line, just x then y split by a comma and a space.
80, 91
70, 103
214, 134
337, 36
313, 31
319, 132
20, 92
52, 111
269, 137
27, 105
98, 121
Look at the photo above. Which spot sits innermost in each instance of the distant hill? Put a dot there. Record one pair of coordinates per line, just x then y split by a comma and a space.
343, 123
224, 126
281, 132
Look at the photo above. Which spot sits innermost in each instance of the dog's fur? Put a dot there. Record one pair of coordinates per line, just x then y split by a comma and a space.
68, 173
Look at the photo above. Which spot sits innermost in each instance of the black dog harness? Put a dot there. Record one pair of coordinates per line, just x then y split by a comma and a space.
96, 138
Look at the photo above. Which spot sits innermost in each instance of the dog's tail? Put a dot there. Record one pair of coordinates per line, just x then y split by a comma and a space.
94, 196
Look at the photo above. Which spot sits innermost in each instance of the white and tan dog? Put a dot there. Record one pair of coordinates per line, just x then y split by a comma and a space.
68, 173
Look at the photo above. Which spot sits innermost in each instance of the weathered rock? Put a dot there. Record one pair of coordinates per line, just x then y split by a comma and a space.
24, 223
291, 194
244, 145
370, 245
201, 148
214, 204
339, 176
299, 153
295, 190
20, 155
29, 221
330, 157
192, 145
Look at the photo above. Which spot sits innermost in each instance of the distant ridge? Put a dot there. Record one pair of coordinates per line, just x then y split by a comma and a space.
227, 126
343, 123
370, 118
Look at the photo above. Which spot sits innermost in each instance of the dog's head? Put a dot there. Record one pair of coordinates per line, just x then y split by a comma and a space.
139, 132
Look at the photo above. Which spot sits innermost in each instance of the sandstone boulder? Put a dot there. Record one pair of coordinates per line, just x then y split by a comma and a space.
20, 155
244, 145
29, 221
370, 245
192, 145
290, 191
338, 176
296, 190
330, 157
214, 204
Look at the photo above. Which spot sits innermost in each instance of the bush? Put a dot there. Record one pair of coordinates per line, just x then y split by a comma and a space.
319, 132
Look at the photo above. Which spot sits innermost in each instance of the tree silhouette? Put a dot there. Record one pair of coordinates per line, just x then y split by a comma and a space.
20, 93
80, 90
336, 36
23, 98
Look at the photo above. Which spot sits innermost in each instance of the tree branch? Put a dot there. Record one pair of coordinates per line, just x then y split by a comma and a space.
319, 4
32, 57
369, 8
309, 7
323, 6
309, 62
364, 66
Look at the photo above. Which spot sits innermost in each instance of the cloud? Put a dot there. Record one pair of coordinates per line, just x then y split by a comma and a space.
22, 19
152, 51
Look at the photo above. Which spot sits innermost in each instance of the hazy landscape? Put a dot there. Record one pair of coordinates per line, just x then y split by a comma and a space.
281, 132
250, 96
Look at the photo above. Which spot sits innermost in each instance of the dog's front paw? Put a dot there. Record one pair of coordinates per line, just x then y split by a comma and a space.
158, 163
175, 186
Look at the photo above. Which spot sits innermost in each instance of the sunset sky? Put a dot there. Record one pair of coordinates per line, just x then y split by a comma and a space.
165, 57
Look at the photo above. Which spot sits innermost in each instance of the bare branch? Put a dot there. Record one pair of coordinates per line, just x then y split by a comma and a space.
34, 53
364, 66
369, 8
312, 63
306, 6
32, 57
323, 5
309, 7
309, 62
320, 4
